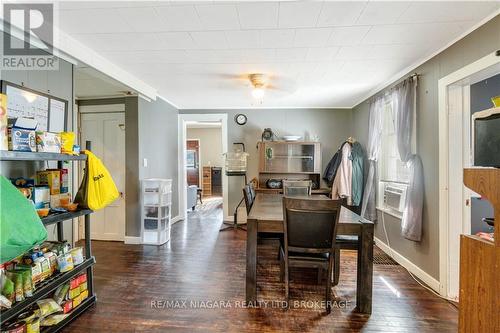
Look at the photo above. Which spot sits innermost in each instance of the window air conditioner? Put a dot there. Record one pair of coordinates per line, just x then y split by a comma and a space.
395, 197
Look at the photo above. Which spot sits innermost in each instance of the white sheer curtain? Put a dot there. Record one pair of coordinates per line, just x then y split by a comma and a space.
368, 206
404, 99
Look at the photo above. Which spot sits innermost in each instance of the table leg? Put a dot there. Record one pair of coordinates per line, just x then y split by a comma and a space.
365, 269
251, 279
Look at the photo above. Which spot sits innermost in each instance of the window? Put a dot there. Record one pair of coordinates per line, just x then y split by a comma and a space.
393, 174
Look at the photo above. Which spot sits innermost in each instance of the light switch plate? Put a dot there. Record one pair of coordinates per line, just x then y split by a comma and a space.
145, 162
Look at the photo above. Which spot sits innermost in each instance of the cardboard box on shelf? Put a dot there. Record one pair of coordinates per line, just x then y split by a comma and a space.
52, 178
41, 196
63, 179
48, 142
60, 200
22, 134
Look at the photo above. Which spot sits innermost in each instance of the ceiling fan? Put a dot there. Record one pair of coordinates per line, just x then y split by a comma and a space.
261, 83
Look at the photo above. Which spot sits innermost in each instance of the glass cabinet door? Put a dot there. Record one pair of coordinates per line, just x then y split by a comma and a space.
289, 157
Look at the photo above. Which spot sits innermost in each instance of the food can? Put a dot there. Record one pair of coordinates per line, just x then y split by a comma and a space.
77, 254
18, 327
33, 326
65, 262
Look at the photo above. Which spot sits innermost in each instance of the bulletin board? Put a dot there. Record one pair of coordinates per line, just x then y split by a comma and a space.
49, 111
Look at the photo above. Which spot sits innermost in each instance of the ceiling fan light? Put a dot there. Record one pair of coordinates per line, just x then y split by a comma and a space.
258, 93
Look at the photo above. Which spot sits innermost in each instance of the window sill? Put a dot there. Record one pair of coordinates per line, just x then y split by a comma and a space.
390, 212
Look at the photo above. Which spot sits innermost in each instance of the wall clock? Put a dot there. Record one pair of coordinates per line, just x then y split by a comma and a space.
240, 119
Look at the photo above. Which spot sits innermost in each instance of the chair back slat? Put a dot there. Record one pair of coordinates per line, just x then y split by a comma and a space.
249, 196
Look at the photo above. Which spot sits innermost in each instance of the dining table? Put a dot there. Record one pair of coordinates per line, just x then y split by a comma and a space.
266, 215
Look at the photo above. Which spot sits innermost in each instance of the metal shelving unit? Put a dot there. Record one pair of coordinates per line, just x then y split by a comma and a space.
46, 287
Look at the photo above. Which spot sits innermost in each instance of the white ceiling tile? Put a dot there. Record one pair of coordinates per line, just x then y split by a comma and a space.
424, 33
291, 55
280, 38
218, 16
262, 15
142, 19
228, 56
242, 39
322, 54
65, 5
299, 14
119, 42
340, 13
443, 11
92, 21
175, 40
396, 51
312, 37
359, 52
209, 39
347, 35
382, 12
200, 56
259, 55
179, 17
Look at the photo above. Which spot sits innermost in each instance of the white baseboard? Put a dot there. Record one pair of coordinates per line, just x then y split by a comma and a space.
132, 240
414, 269
176, 219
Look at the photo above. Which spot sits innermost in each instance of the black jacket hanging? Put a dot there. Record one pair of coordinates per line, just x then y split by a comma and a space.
333, 166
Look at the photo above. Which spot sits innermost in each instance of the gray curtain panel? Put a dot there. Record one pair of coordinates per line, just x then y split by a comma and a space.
404, 100
368, 207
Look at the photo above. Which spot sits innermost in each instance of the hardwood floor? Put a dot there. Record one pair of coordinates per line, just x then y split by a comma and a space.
201, 264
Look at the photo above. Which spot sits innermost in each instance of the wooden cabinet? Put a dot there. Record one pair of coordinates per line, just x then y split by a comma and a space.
480, 262
207, 181
289, 160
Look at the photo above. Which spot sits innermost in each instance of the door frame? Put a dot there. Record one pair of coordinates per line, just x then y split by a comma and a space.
183, 119
445, 224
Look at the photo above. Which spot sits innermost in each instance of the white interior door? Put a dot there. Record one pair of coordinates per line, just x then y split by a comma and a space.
106, 131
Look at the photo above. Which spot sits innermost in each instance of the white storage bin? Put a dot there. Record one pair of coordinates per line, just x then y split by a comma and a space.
156, 207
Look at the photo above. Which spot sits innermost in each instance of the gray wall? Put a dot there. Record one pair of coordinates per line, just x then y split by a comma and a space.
332, 126
479, 43
57, 83
158, 142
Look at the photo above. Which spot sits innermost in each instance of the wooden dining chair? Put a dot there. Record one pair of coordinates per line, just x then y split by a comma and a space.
296, 187
249, 195
310, 228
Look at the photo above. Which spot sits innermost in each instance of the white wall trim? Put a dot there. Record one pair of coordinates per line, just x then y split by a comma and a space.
182, 128
444, 223
406, 263
132, 240
423, 60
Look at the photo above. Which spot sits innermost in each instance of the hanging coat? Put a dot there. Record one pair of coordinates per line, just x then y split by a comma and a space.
341, 187
332, 167
357, 158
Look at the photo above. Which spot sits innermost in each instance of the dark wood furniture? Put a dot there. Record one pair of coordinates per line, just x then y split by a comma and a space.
266, 215
206, 185
294, 160
310, 228
193, 172
480, 262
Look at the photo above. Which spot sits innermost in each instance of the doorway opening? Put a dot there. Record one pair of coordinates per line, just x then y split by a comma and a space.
461, 94
204, 162
100, 119
202, 180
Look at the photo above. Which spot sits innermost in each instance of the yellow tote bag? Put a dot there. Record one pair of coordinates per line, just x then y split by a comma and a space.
100, 188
